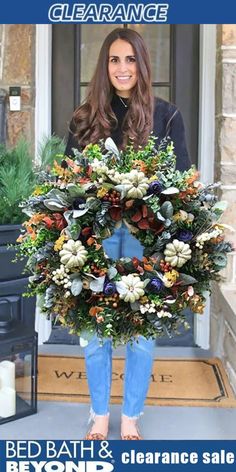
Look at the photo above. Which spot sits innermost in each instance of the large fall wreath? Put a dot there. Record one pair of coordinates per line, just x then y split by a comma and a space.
81, 201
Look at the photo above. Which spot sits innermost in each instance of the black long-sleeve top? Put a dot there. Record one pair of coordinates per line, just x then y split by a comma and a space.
167, 121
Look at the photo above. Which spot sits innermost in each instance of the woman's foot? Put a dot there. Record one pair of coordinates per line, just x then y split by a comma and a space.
99, 429
129, 428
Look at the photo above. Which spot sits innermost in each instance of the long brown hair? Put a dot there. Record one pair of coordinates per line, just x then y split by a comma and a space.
95, 118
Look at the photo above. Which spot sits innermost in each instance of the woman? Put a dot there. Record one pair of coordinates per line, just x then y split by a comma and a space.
120, 104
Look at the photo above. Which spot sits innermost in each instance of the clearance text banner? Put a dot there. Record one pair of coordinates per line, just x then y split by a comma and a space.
118, 12
117, 456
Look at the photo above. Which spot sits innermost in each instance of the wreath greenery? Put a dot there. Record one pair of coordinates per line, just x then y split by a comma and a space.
79, 202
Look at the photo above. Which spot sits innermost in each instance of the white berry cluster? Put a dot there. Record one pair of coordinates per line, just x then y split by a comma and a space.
163, 313
60, 277
99, 167
204, 237
115, 176
148, 308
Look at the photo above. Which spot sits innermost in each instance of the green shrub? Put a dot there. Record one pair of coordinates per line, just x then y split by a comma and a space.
18, 175
17, 180
50, 149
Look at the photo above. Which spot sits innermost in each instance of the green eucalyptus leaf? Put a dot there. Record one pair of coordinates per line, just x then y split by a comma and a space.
76, 286
93, 203
53, 205
147, 281
112, 272
167, 223
97, 284
135, 306
167, 210
49, 296
68, 215
160, 217
58, 195
111, 146
170, 191
187, 279
75, 190
78, 213
74, 230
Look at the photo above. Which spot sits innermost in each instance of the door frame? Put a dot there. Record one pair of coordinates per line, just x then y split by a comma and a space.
206, 145
206, 140
43, 84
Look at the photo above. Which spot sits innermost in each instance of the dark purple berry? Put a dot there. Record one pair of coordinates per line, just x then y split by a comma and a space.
155, 285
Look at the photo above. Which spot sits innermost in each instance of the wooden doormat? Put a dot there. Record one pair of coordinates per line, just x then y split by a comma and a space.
177, 382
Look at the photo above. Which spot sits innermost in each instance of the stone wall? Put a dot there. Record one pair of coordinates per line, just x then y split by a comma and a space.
223, 316
225, 168
17, 68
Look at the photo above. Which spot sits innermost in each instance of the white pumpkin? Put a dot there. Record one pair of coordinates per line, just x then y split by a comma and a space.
73, 254
136, 184
177, 253
130, 288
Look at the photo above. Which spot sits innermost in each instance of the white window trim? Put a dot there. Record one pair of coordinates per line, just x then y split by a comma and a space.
206, 144
43, 84
206, 120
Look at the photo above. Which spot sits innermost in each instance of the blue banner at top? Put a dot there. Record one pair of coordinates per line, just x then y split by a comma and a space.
119, 12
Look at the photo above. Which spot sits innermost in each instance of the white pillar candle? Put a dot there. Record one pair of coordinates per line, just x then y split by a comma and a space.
7, 402
7, 374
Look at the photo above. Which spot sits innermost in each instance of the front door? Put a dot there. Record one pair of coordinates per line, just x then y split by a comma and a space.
174, 51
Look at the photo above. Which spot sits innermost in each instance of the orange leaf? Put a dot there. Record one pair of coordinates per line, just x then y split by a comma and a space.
90, 241
85, 231
94, 310
77, 169
70, 162
48, 222
135, 262
148, 267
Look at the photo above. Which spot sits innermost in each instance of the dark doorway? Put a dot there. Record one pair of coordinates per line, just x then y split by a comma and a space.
174, 53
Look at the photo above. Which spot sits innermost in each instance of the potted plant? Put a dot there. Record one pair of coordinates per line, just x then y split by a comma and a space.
18, 177
17, 180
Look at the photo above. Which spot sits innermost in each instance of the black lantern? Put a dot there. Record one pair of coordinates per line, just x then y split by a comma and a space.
18, 366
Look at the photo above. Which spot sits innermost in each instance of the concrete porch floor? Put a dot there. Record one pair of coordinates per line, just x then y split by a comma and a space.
59, 420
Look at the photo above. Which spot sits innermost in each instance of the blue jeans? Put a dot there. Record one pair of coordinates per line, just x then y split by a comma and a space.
139, 355
138, 369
